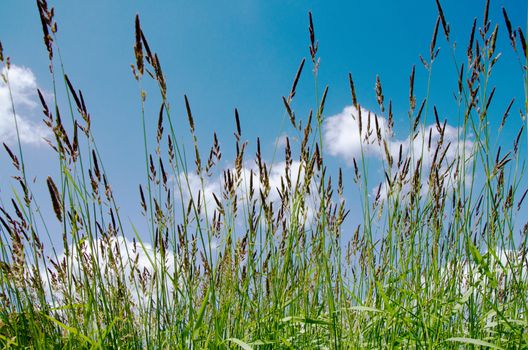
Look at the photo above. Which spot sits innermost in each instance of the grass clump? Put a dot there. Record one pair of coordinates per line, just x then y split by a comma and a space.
265, 259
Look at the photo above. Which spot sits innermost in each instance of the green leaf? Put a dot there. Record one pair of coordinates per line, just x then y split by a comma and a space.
364, 309
262, 342
240, 343
201, 312
464, 299
307, 320
71, 330
8, 341
105, 334
474, 342
483, 265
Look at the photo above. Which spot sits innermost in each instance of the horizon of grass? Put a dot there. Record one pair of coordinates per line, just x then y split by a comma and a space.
435, 262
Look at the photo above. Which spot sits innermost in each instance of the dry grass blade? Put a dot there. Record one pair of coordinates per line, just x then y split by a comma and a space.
317, 157
170, 147
507, 112
486, 16
390, 119
378, 129
74, 94
400, 152
238, 129
445, 26
216, 147
437, 120
46, 19
511, 32
150, 58
143, 202
412, 99
159, 133
97, 171
13, 157
379, 93
522, 40
490, 98
352, 90
189, 113
138, 47
44, 105
75, 143
360, 121
517, 139
306, 134
84, 110
197, 160
505, 160
418, 115
152, 168
291, 114
433, 40
160, 77
522, 199
296, 80
493, 41
471, 40
322, 104
313, 43
163, 173
461, 79
55, 198
18, 212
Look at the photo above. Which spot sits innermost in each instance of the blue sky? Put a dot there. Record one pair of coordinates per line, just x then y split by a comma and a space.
244, 54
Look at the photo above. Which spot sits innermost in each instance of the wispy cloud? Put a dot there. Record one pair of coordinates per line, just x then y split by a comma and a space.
24, 93
280, 141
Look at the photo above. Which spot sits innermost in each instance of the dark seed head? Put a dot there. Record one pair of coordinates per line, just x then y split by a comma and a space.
55, 198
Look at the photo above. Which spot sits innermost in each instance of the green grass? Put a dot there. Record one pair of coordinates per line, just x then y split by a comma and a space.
437, 262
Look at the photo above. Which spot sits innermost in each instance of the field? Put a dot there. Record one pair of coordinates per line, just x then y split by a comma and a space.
267, 253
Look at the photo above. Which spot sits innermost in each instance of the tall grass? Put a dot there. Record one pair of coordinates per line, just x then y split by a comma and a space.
265, 261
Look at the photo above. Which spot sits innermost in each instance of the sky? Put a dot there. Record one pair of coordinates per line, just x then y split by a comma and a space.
239, 54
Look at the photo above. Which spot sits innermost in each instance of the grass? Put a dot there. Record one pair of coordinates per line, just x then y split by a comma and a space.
438, 260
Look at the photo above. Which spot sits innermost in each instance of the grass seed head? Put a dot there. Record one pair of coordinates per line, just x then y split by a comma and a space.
138, 47
55, 198
379, 94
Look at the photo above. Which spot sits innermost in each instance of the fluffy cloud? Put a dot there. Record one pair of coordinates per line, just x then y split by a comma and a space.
343, 139
499, 269
24, 92
192, 187
111, 259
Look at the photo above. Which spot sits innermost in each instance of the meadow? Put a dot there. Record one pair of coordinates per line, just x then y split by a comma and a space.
264, 258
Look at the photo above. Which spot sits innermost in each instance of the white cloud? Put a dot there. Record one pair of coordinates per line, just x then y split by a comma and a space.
110, 259
24, 92
342, 139
497, 271
420, 145
280, 141
191, 185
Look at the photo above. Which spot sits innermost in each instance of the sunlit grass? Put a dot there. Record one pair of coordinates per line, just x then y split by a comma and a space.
263, 258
